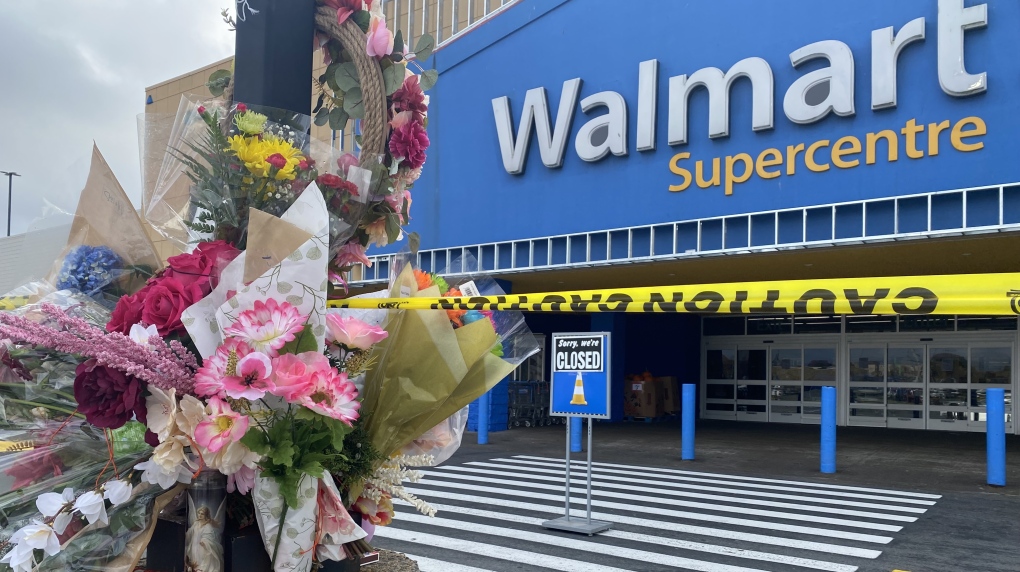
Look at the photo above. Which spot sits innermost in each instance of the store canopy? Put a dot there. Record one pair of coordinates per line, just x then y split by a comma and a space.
973, 294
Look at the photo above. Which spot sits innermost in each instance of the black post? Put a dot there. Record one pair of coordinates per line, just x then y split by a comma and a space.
10, 188
273, 53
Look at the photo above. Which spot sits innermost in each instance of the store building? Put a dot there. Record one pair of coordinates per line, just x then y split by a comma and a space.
582, 144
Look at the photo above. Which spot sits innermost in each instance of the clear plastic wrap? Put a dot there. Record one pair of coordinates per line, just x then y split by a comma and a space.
441, 441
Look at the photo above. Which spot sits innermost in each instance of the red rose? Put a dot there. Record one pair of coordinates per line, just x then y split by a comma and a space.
107, 397
127, 312
190, 268
409, 142
241, 108
219, 253
166, 301
33, 466
201, 110
277, 160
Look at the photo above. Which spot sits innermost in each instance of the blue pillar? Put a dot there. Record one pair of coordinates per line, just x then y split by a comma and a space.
575, 433
687, 423
483, 418
995, 428
613, 322
828, 429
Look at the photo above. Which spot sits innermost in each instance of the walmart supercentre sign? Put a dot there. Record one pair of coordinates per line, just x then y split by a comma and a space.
811, 97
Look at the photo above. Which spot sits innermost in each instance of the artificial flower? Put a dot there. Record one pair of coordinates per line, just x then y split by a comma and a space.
34, 466
140, 334
401, 119
409, 143
192, 412
332, 395
410, 97
53, 505
171, 454
250, 379
250, 122
21, 558
378, 513
242, 480
127, 312
209, 378
154, 474
92, 505
292, 374
352, 333
218, 253
376, 232
278, 161
267, 326
190, 268
161, 411
346, 161
422, 278
117, 491
88, 269
223, 426
231, 458
379, 39
255, 151
344, 8
166, 300
107, 397
350, 253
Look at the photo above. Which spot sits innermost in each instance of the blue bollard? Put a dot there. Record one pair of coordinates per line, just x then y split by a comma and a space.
483, 419
575, 434
828, 429
687, 423
995, 429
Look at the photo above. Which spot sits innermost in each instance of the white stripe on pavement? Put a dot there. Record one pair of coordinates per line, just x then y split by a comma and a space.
672, 513
665, 525
686, 486
493, 551
431, 477
433, 565
658, 541
755, 479
585, 546
582, 481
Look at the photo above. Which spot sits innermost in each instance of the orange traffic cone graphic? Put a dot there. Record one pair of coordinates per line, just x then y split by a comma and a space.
578, 398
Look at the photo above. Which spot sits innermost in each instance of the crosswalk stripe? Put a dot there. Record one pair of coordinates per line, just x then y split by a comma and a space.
433, 565
742, 478
425, 493
554, 463
493, 551
431, 476
662, 541
632, 486
665, 525
586, 546
686, 486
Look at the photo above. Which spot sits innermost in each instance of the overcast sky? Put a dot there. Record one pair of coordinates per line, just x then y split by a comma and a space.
74, 71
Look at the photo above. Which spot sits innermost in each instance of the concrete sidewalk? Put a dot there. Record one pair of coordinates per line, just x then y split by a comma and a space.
895, 458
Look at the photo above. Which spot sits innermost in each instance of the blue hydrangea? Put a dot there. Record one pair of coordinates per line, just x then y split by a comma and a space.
89, 268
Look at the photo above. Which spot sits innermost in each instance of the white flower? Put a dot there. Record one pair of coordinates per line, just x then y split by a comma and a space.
193, 412
117, 492
140, 334
161, 412
153, 474
35, 536
170, 453
50, 504
21, 558
92, 505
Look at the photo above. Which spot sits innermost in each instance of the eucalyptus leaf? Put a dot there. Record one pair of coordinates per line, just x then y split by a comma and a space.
347, 76
393, 78
354, 105
398, 45
218, 82
338, 119
362, 18
426, 44
428, 79
322, 117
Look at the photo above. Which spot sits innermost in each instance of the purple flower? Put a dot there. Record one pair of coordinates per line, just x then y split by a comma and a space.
107, 397
409, 142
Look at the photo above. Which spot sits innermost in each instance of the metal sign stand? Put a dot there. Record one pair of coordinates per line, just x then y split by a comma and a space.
581, 525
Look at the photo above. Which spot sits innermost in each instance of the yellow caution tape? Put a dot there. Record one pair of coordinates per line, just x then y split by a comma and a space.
977, 294
14, 446
12, 302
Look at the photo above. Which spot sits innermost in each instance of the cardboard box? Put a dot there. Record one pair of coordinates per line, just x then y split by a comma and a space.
642, 399
670, 392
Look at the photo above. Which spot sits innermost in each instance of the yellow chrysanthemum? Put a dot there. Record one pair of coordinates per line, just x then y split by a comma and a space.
254, 152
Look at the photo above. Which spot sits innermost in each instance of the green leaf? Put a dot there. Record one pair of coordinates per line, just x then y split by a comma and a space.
353, 103
347, 77
362, 18
255, 440
392, 228
322, 117
428, 79
338, 119
393, 78
318, 103
398, 45
218, 82
425, 47
282, 453
303, 342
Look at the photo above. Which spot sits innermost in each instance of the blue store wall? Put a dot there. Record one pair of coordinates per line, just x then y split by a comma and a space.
466, 197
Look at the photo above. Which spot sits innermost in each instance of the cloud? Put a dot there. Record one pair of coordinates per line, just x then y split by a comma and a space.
74, 72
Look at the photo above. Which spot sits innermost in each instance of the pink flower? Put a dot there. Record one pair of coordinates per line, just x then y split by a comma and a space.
346, 161
378, 513
397, 200
344, 8
332, 395
241, 108
222, 427
353, 333
380, 39
209, 378
292, 374
350, 253
251, 379
401, 119
242, 481
333, 518
409, 143
268, 326
410, 97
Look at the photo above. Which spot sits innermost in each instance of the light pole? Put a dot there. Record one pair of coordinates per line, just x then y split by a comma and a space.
10, 187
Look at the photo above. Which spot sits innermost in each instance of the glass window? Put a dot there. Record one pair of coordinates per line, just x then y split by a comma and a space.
947, 365
862, 412
906, 414
978, 398
813, 393
966, 323
751, 364
726, 326
948, 415
812, 411
990, 365
787, 365
719, 364
944, 397
768, 325
867, 395
753, 408
719, 391
906, 365
867, 364
927, 323
719, 407
780, 409
819, 364
753, 392
785, 393
817, 324
862, 324
905, 396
